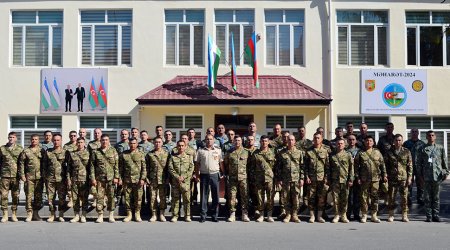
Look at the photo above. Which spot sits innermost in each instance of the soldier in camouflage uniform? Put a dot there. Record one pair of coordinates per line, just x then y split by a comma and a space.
316, 173
369, 168
339, 132
354, 205
263, 163
251, 178
341, 178
71, 146
9, 155
276, 139
399, 171
229, 145
415, 145
181, 168
133, 175
83, 133
92, 146
289, 173
54, 173
30, 169
77, 179
433, 170
302, 142
235, 164
104, 174
156, 178
122, 145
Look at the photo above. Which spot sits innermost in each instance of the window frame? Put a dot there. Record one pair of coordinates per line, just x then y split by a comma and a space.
377, 131
375, 38
291, 41
36, 129
178, 131
292, 131
105, 129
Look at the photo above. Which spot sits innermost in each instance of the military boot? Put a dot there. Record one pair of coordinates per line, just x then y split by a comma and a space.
364, 218
128, 218
51, 218
374, 218
259, 216
174, 219
100, 217
76, 218
245, 216
153, 218
391, 216
137, 216
162, 218
405, 217
232, 217
311, 217
83, 217
269, 217
187, 219
61, 216
282, 214
336, 218
14, 216
287, 218
319, 217
29, 216
111, 217
5, 216
36, 216
295, 218
344, 218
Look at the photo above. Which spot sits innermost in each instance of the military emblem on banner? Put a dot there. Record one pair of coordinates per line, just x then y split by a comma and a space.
370, 85
417, 85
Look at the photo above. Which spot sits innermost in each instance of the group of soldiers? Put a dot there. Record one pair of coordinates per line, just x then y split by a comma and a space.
351, 168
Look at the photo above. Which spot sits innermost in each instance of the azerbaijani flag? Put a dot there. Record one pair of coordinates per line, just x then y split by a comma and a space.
233, 65
45, 95
250, 52
54, 95
213, 63
93, 98
101, 92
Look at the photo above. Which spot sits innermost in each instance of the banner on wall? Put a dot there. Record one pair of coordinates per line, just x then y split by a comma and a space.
394, 92
72, 91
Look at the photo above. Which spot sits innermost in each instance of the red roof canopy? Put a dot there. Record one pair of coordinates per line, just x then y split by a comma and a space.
273, 90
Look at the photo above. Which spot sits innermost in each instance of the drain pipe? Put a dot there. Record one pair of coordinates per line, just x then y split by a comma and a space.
330, 72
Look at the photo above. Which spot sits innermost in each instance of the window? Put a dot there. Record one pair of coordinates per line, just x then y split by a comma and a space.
428, 38
289, 123
238, 22
111, 125
284, 37
25, 126
362, 37
37, 38
184, 37
179, 124
106, 37
375, 124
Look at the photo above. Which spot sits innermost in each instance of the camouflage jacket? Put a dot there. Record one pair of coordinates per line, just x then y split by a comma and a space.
70, 147
181, 165
93, 145
263, 163
54, 165
398, 164
369, 166
9, 157
341, 167
104, 165
235, 164
122, 146
189, 151
78, 165
157, 166
317, 163
303, 144
414, 147
146, 147
433, 164
333, 143
275, 142
132, 166
290, 165
30, 163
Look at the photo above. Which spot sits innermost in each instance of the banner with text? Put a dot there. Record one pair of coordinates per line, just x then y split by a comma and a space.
394, 91
74, 91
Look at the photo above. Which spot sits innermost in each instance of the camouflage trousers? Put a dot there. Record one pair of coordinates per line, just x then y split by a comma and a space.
289, 196
432, 190
54, 188
369, 190
340, 198
80, 193
105, 188
317, 195
6, 184
394, 187
233, 187
279, 189
181, 191
156, 190
264, 190
133, 190
33, 194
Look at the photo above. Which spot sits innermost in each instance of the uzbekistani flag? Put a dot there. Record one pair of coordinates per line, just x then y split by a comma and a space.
102, 95
233, 64
250, 52
213, 63
93, 98
45, 95
54, 95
